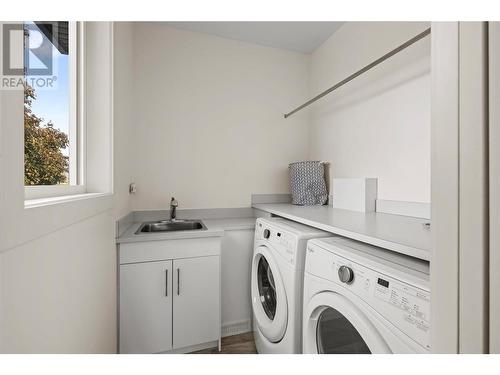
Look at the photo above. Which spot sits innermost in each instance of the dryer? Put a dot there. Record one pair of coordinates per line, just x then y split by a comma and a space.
277, 283
362, 299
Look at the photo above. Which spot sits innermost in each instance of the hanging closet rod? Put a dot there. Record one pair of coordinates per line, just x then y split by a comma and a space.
361, 71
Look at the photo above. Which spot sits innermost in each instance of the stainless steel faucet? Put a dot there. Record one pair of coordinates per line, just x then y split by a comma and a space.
173, 208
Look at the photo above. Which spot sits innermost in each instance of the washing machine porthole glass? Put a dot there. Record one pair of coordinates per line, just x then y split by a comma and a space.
336, 335
267, 288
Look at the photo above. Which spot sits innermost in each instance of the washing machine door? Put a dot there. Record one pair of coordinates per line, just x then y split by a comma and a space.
269, 301
334, 325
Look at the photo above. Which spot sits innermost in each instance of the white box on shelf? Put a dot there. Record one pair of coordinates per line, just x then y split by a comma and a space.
355, 194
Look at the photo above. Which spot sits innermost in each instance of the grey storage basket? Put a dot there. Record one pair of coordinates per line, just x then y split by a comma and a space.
307, 183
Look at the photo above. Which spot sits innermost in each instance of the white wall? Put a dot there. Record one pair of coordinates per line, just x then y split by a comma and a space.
122, 117
379, 124
236, 267
208, 125
57, 262
59, 292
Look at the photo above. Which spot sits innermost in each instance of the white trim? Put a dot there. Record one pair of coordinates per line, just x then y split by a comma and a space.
73, 102
413, 209
112, 108
33, 203
236, 328
459, 191
444, 186
193, 348
45, 191
494, 178
81, 107
473, 189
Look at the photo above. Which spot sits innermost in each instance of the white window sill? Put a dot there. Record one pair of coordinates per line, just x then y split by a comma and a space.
41, 202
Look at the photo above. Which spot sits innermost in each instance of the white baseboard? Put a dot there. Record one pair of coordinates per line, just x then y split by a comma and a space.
193, 348
413, 209
236, 328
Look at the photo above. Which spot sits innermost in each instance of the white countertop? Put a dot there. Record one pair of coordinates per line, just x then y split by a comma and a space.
215, 228
403, 234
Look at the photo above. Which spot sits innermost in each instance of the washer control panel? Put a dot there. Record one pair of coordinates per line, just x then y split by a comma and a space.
284, 243
404, 305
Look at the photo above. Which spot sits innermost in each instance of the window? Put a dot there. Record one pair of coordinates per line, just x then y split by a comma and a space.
53, 115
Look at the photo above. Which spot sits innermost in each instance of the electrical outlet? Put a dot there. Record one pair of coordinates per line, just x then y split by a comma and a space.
132, 189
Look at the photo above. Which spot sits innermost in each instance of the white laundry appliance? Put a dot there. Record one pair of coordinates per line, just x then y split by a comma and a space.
277, 282
362, 299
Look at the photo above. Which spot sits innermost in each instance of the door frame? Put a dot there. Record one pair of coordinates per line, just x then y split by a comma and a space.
494, 184
459, 188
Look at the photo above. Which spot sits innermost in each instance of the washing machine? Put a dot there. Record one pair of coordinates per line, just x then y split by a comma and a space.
277, 282
362, 299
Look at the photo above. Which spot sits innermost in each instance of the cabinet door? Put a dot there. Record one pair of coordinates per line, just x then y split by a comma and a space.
196, 301
146, 307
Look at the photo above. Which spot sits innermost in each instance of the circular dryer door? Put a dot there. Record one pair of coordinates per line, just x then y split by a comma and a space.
269, 300
334, 325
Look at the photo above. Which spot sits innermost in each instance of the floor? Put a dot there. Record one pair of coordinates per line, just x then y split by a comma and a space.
237, 344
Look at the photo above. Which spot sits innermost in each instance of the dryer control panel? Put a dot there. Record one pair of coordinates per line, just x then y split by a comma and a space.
282, 242
392, 295
412, 302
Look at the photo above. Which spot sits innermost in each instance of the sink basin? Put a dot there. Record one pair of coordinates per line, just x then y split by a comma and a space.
170, 226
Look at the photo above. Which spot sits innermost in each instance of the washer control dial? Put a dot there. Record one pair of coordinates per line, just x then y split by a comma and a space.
346, 274
267, 233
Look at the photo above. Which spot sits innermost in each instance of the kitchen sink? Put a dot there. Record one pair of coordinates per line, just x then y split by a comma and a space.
170, 226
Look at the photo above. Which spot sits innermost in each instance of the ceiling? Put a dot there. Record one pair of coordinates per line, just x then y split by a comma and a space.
302, 37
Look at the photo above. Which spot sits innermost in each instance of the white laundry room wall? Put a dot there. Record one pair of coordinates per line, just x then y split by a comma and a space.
122, 117
58, 261
378, 125
236, 267
208, 125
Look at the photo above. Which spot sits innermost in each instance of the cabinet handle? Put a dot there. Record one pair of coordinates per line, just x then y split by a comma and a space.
166, 282
178, 282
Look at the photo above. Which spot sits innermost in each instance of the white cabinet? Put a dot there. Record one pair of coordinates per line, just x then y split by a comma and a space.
146, 307
196, 312
169, 295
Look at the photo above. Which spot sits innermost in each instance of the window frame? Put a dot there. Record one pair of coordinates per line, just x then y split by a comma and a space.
77, 143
